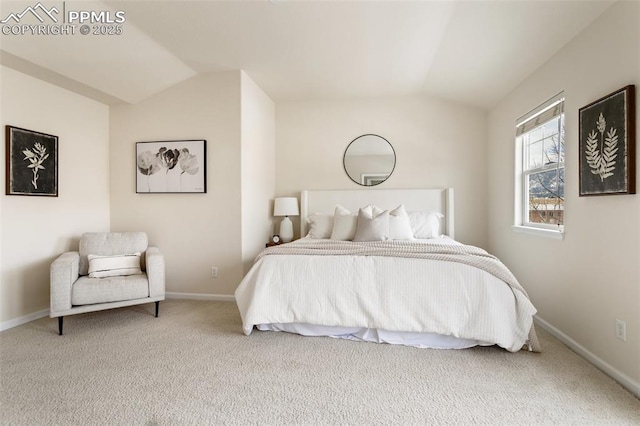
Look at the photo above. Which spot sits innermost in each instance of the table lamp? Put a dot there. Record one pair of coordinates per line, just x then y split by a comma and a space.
286, 206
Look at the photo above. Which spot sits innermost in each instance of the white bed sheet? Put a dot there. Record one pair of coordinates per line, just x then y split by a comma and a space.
373, 296
361, 334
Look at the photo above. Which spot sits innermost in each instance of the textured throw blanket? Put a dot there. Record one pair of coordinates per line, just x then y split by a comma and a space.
448, 252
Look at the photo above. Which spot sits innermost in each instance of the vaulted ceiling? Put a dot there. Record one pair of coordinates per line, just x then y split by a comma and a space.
472, 52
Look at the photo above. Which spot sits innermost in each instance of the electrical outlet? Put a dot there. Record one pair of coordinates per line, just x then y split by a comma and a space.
621, 330
214, 271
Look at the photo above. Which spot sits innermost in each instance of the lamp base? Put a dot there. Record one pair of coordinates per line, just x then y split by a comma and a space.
286, 230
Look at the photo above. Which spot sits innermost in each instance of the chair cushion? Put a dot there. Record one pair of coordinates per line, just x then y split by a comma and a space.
111, 266
86, 291
110, 243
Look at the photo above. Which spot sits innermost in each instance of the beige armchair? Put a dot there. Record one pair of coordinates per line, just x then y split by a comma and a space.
110, 270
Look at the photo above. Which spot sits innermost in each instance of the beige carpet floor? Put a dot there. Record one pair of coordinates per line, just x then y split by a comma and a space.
193, 365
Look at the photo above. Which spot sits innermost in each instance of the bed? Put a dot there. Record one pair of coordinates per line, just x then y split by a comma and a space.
425, 290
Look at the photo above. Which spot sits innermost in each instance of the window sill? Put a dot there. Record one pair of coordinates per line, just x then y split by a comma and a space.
547, 233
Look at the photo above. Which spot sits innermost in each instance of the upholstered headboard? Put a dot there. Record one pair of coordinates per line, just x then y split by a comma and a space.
324, 201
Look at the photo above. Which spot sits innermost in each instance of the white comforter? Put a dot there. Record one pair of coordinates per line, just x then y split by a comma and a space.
387, 293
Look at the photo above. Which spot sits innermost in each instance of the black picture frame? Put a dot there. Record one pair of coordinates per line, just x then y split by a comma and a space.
607, 144
171, 167
31, 162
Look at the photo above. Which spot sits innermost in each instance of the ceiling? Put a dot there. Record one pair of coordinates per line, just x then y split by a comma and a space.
471, 52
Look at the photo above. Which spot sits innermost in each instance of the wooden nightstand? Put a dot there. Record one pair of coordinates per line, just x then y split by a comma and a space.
271, 243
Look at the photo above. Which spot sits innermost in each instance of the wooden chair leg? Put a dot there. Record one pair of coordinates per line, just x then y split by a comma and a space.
60, 326
157, 307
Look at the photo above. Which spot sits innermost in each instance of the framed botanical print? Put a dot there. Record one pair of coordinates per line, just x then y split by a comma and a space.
171, 167
607, 144
32, 162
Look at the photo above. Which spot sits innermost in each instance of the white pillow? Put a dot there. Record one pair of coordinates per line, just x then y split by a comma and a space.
399, 224
371, 227
320, 225
344, 224
425, 224
113, 266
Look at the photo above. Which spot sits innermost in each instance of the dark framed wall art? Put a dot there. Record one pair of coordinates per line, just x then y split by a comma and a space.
607, 144
32, 162
171, 167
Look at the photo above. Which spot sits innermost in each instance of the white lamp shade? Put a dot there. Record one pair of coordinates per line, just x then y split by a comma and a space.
286, 206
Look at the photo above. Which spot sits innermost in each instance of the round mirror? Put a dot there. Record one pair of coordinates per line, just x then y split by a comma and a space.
369, 160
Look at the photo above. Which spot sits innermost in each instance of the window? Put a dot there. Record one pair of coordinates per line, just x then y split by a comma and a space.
540, 166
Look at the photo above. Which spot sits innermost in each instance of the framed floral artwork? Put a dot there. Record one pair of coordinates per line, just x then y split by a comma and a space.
171, 167
607, 144
32, 162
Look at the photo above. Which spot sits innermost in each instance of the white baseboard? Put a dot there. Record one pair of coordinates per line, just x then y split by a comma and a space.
624, 380
23, 320
201, 296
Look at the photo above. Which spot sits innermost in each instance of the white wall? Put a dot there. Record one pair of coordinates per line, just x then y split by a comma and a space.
258, 141
437, 144
34, 229
581, 284
194, 231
